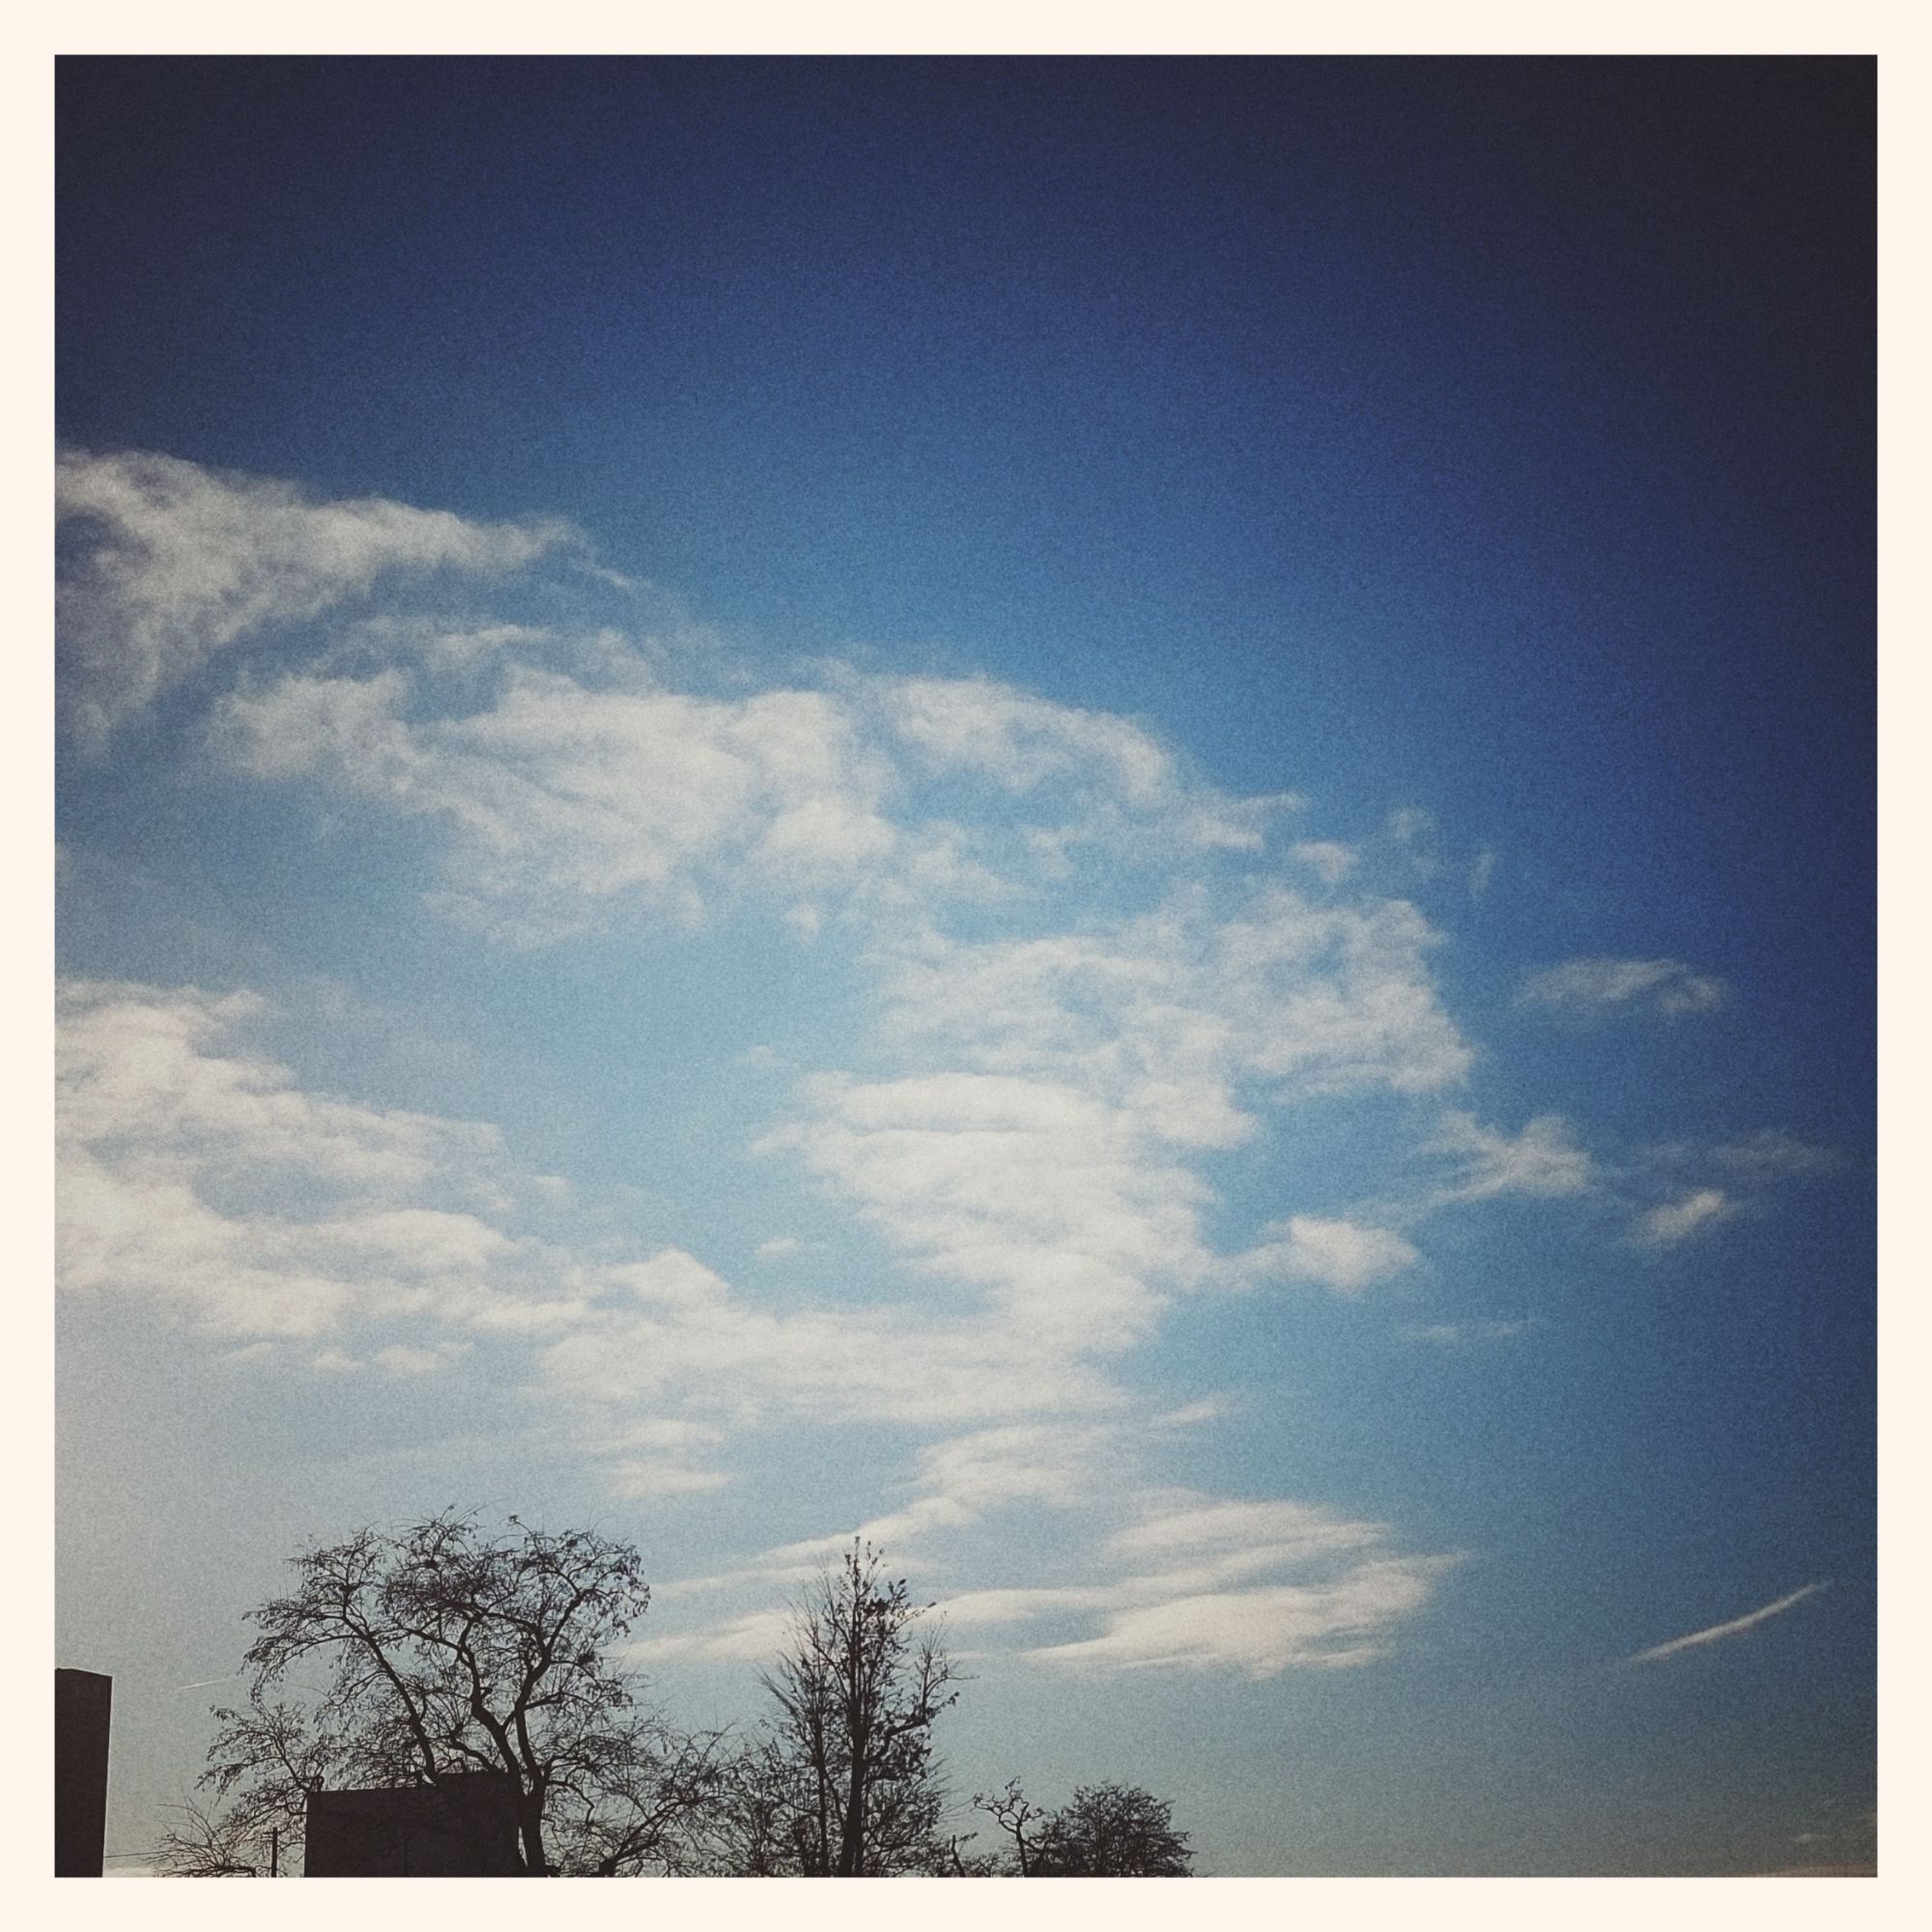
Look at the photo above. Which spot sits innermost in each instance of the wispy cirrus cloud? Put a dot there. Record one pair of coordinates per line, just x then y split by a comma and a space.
1600, 988
1674, 1222
1483, 1163
1117, 771
962, 1479
1465, 1334
1192, 1582
564, 802
170, 563
1329, 861
1695, 1187
1255, 1586
1263, 1631
195, 1171
1718, 1633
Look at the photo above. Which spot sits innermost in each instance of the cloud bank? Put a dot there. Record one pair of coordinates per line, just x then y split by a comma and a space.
1093, 984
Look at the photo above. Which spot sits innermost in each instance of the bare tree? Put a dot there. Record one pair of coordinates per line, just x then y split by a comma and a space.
1111, 1831
450, 1652
1013, 1811
844, 1783
209, 1844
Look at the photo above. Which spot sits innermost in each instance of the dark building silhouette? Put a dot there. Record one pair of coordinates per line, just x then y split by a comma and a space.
82, 1700
463, 1828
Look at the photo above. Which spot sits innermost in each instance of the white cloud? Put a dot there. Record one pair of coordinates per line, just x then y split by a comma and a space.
1413, 833
641, 1478
967, 1477
561, 799
1179, 1522
1263, 1631
1095, 776
1210, 1409
1676, 1221
1194, 1592
172, 564
1331, 861
1336, 1253
1194, 1583
1047, 1162
1021, 741
1055, 1202
1485, 1162
669, 1331
196, 1172
1718, 1632
1591, 989
755, 1638
1169, 1014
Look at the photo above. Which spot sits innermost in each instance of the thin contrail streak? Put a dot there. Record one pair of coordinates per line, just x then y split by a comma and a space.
1734, 1628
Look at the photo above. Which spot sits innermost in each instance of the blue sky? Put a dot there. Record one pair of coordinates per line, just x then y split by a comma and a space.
1113, 817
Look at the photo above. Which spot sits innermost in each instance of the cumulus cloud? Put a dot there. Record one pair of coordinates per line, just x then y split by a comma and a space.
1052, 1163
1596, 988
166, 563
1718, 1632
1336, 1253
1171, 1013
569, 792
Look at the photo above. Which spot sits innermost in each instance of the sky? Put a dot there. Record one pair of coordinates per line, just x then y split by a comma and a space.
1113, 819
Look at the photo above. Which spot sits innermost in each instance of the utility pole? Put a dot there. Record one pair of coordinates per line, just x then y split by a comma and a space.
275, 1851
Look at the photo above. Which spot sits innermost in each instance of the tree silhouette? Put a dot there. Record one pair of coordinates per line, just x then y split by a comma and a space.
1109, 1830
1113, 1831
449, 1652
843, 1782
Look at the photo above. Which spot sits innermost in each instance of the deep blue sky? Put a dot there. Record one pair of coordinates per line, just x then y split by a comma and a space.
1484, 417
1491, 439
